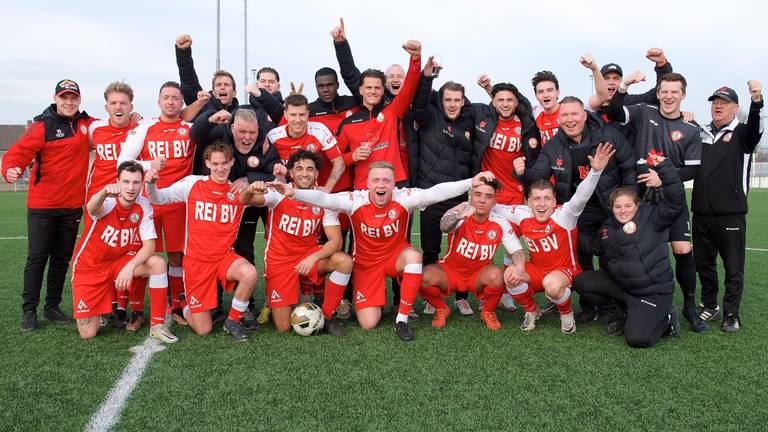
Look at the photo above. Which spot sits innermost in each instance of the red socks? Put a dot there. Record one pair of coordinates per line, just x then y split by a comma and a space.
158, 286
334, 291
433, 296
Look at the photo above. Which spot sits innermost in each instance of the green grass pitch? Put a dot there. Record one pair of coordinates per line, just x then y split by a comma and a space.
460, 378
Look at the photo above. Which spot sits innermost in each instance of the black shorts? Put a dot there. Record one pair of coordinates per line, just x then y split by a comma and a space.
681, 229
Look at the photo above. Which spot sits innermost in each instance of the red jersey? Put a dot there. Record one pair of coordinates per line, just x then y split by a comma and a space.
548, 124
504, 148
112, 233
105, 141
154, 138
213, 215
381, 131
472, 244
293, 227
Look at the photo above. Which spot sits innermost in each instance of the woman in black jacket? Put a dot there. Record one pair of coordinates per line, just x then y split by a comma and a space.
637, 282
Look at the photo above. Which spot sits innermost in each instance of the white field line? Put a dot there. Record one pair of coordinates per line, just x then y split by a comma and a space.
110, 410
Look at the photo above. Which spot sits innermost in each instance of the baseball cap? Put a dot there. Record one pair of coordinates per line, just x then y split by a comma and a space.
611, 67
67, 85
725, 93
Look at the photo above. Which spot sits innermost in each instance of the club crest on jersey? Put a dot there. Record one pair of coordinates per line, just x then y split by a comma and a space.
533, 143
252, 161
231, 196
491, 235
547, 229
315, 211
182, 131
727, 137
310, 147
629, 227
380, 117
133, 217
559, 162
466, 135
392, 214
676, 135
518, 130
83, 129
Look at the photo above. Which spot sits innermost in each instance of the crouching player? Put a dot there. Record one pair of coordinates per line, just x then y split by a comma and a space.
550, 233
474, 235
118, 246
292, 252
213, 216
379, 217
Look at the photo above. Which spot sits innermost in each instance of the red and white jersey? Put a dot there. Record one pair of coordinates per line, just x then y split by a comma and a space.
113, 232
293, 227
154, 138
380, 231
548, 124
553, 244
105, 140
504, 148
317, 139
213, 214
472, 244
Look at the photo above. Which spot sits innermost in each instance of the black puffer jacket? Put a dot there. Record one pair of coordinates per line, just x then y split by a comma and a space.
636, 253
556, 160
444, 152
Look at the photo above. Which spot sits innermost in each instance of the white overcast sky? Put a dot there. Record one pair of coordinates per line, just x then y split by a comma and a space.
95, 42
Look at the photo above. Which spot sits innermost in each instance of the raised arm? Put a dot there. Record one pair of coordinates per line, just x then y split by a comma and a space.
265, 100
190, 84
601, 95
349, 72
421, 109
421, 198
338, 202
753, 130
131, 147
402, 102
450, 220
177, 192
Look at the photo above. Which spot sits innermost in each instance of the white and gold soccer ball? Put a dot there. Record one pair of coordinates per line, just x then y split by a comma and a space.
307, 319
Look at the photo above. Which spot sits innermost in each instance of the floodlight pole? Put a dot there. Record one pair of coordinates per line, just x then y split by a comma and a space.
245, 48
218, 34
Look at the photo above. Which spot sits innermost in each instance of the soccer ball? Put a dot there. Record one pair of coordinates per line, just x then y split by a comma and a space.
307, 319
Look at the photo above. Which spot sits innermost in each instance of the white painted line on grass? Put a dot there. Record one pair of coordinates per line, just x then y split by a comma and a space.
757, 249
13, 238
110, 410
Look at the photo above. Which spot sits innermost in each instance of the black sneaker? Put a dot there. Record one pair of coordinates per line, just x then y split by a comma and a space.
28, 321
586, 315
249, 321
697, 324
708, 314
731, 323
403, 331
236, 330
119, 319
548, 308
333, 329
615, 327
56, 316
218, 316
673, 327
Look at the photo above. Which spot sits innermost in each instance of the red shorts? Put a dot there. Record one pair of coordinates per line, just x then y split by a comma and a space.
460, 281
368, 279
93, 291
200, 279
170, 224
282, 282
537, 275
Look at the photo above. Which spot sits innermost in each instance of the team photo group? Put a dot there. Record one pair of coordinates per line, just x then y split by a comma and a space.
584, 197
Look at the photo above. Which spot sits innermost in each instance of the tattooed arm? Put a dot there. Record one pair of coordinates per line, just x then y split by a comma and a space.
451, 218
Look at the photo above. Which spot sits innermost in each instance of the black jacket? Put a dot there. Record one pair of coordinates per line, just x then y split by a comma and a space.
486, 118
190, 84
636, 253
444, 152
722, 182
204, 133
555, 160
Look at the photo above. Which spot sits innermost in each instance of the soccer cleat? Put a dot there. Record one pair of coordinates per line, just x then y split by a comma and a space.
249, 321
529, 320
119, 319
403, 331
412, 315
731, 323
440, 317
586, 315
28, 321
332, 328
462, 305
177, 315
236, 330
708, 314
615, 327
263, 317
56, 316
159, 332
137, 320
508, 302
490, 320
697, 324
429, 309
673, 327
549, 308
344, 311
567, 323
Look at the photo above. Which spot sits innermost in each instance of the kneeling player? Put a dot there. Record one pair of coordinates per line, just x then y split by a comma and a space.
292, 252
118, 247
550, 233
213, 217
474, 235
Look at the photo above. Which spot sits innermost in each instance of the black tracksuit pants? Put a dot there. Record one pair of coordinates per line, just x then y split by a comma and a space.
726, 236
51, 237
